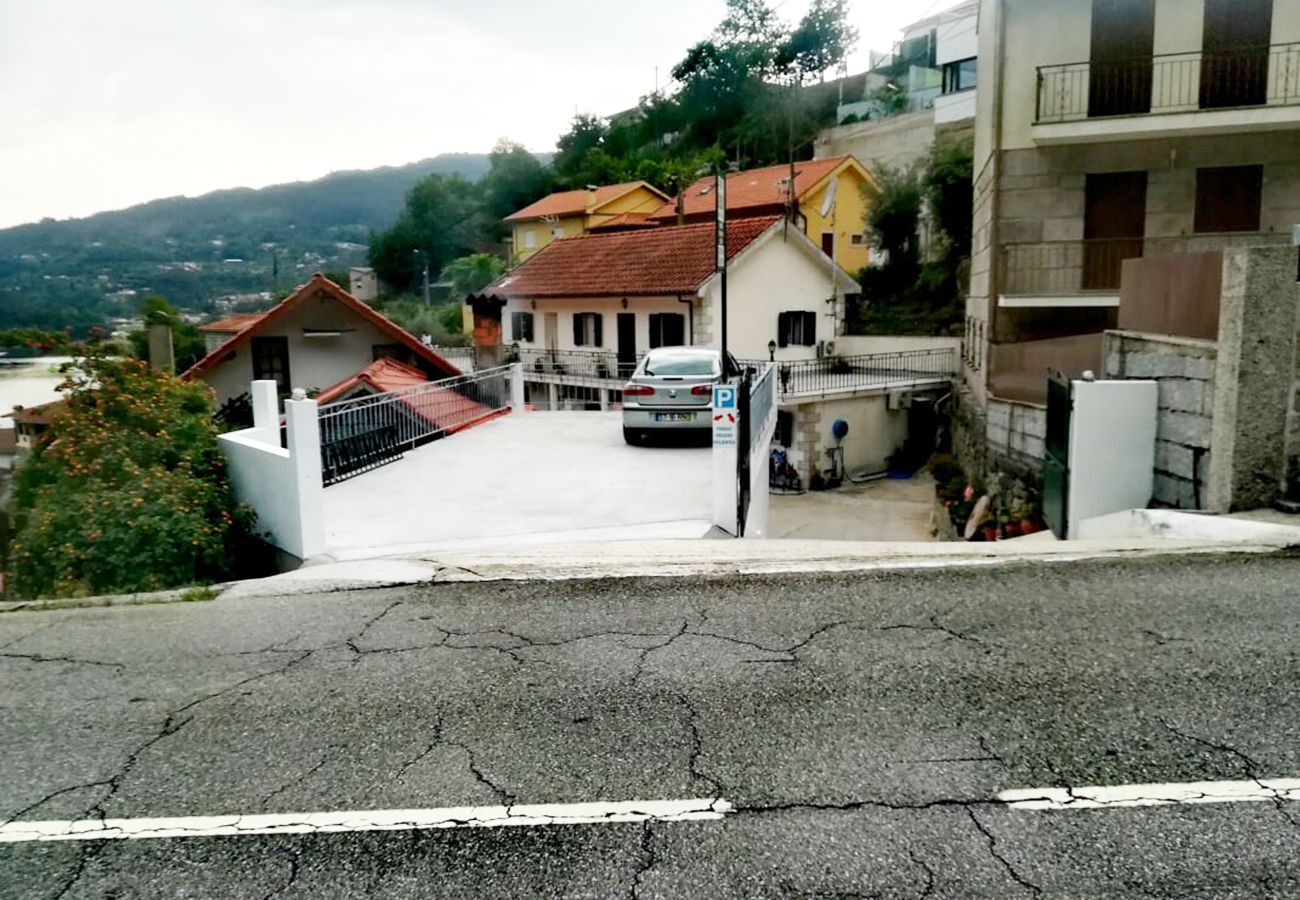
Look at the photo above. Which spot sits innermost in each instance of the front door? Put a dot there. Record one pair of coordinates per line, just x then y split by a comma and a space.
1234, 61
1114, 222
271, 362
552, 332
626, 344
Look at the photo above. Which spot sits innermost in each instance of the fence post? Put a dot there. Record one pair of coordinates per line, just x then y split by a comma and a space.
517, 388
266, 405
302, 422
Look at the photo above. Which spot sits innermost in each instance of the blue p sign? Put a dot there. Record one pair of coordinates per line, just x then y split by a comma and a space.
724, 398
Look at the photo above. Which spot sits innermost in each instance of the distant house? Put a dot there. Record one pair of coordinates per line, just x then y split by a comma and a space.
33, 421
315, 338
840, 231
627, 292
570, 213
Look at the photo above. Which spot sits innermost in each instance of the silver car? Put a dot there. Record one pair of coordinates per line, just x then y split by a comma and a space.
671, 392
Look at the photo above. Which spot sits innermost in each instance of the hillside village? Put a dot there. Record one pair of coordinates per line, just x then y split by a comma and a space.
985, 235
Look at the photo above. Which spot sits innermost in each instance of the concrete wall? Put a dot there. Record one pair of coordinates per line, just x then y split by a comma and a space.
1184, 370
1016, 432
897, 141
875, 433
868, 344
1254, 408
283, 486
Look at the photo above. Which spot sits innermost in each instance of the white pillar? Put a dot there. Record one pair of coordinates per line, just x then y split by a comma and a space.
553, 394
303, 437
266, 404
604, 399
725, 486
517, 404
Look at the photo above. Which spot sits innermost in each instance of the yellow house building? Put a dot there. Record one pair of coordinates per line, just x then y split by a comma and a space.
570, 213
837, 225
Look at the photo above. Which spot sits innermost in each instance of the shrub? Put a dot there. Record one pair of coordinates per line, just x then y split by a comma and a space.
127, 491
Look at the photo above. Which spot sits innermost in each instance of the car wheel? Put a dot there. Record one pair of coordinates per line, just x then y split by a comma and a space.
632, 436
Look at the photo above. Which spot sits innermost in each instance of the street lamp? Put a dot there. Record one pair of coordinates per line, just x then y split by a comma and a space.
720, 172
771, 351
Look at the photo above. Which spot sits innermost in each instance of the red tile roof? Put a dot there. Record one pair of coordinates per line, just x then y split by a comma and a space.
757, 190
319, 283
382, 376
39, 415
233, 323
568, 203
650, 262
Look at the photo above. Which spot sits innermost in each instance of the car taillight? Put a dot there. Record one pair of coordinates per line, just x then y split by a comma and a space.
638, 390
702, 390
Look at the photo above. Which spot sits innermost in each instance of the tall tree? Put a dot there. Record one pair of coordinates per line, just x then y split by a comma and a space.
586, 134
516, 178
439, 223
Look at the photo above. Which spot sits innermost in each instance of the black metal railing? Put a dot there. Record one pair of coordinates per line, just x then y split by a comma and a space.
601, 365
364, 433
834, 374
1057, 268
1169, 83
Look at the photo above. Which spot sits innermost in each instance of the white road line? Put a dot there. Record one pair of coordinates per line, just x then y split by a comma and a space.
1055, 798
369, 820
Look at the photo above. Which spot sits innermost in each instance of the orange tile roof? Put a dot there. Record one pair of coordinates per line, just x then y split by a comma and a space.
649, 262
755, 190
382, 376
317, 283
39, 415
233, 323
568, 203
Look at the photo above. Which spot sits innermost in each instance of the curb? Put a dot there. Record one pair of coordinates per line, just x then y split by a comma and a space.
175, 595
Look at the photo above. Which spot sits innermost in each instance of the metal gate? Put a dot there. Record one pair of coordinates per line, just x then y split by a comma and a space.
1056, 461
743, 439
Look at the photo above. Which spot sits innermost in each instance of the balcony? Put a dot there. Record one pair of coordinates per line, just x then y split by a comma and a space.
1088, 273
1177, 94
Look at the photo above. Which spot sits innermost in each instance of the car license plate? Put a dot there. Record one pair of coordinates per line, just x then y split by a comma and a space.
674, 417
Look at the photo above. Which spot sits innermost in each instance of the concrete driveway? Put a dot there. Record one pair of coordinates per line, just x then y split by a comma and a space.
535, 477
886, 510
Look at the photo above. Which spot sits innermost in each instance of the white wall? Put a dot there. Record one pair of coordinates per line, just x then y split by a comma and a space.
771, 277
642, 307
314, 363
282, 485
868, 344
955, 107
1112, 448
1038, 33
958, 39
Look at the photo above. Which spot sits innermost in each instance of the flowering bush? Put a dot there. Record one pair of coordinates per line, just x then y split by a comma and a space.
127, 491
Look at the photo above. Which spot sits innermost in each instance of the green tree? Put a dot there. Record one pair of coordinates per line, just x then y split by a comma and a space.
437, 225
586, 134
441, 322
127, 491
516, 178
472, 273
948, 186
821, 41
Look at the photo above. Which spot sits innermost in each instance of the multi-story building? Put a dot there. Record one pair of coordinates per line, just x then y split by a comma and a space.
1109, 130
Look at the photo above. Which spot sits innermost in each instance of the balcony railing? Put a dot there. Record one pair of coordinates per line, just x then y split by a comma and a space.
1065, 268
599, 365
836, 374
1170, 83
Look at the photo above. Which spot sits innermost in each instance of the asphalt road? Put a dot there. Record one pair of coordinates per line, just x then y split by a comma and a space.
862, 728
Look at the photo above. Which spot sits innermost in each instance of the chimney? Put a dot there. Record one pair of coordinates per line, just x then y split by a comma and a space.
162, 356
591, 197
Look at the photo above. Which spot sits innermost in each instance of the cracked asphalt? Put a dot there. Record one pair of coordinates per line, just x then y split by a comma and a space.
862, 727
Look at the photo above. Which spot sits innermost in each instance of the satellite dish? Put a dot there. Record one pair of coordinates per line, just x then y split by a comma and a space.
828, 201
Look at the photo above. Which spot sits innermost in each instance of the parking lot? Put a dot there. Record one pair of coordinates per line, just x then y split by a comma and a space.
535, 477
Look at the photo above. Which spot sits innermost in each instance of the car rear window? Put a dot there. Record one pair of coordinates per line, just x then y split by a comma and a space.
682, 366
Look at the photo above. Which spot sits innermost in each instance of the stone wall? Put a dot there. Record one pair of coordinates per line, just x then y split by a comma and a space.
1016, 435
1184, 370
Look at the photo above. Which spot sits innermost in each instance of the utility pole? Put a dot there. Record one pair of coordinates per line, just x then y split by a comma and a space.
720, 240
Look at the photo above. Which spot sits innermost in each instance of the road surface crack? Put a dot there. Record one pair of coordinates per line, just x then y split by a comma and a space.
86, 853
993, 851
952, 633
928, 890
295, 864
697, 747
42, 658
1249, 765
293, 782
649, 859
354, 641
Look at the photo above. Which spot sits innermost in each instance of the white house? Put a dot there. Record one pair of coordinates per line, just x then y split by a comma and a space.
316, 337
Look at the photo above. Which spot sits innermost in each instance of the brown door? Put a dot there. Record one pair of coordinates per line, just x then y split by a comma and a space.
1123, 38
1114, 221
1234, 61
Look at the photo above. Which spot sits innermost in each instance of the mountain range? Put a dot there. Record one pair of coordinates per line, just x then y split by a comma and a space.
193, 250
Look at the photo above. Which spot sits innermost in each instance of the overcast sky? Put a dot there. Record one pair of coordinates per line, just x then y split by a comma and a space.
106, 103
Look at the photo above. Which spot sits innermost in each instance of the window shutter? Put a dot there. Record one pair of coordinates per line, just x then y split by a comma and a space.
598, 338
809, 329
782, 330
577, 331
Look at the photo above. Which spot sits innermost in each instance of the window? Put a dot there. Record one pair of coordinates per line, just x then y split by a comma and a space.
557, 232
960, 76
530, 239
1228, 199
858, 240
587, 330
796, 329
271, 361
828, 243
667, 330
521, 327
784, 428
